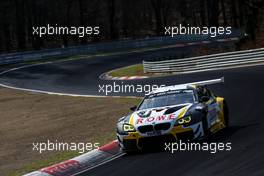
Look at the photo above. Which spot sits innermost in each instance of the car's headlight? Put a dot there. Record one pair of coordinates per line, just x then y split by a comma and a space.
183, 120
128, 128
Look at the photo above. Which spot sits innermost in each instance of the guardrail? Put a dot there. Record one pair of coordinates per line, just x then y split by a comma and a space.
206, 63
94, 48
114, 46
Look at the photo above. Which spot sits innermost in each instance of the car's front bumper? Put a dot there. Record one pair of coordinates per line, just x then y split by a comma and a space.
134, 141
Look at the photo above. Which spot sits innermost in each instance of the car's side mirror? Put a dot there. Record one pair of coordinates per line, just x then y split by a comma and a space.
200, 108
205, 98
133, 108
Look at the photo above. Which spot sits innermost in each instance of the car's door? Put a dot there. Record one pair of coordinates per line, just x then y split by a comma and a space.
213, 108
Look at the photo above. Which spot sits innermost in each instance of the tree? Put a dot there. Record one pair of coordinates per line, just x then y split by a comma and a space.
213, 12
111, 4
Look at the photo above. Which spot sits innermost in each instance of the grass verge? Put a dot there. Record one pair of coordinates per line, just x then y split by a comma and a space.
133, 70
30, 117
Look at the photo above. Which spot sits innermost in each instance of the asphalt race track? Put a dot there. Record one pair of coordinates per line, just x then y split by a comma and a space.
243, 90
81, 76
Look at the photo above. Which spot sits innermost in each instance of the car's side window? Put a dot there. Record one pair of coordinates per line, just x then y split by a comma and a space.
200, 94
211, 94
204, 92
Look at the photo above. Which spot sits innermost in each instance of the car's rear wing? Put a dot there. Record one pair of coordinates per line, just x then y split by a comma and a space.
208, 82
186, 85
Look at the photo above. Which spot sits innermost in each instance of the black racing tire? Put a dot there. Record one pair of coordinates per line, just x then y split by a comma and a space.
130, 152
226, 113
207, 132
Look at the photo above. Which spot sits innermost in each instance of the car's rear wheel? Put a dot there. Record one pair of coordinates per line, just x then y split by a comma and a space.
226, 114
206, 129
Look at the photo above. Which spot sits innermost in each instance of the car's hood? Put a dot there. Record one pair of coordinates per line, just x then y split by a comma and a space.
158, 115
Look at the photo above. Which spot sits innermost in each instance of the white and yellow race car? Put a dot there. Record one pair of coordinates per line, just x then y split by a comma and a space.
180, 112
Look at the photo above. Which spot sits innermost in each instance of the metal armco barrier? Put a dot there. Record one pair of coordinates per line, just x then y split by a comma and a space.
95, 48
204, 63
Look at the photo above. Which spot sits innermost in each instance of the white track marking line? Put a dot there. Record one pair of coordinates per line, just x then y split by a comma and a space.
64, 94
53, 93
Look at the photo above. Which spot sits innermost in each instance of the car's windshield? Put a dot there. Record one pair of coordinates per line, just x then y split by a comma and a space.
168, 99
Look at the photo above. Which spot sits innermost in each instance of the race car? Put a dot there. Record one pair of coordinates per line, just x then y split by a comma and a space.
180, 112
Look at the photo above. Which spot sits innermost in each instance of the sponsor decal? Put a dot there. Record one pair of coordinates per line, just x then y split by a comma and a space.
141, 120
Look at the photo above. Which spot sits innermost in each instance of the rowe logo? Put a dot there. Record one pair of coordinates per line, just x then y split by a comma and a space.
155, 119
